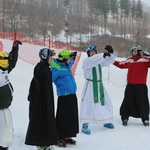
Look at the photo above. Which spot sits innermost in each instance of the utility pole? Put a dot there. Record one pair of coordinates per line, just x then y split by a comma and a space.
66, 4
33, 13
16, 15
3, 24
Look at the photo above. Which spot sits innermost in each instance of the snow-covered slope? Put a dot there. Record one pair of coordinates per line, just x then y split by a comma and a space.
133, 137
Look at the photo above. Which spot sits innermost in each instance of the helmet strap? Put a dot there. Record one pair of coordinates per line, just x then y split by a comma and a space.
2, 58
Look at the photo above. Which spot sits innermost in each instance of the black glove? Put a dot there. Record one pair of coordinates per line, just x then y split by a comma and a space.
109, 49
106, 54
16, 42
15, 47
10, 56
73, 55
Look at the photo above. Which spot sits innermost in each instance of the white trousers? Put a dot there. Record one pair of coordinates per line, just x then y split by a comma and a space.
6, 128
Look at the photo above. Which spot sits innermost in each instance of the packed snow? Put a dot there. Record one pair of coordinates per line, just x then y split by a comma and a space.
133, 137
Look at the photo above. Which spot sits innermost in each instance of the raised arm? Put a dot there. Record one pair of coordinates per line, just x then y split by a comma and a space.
13, 55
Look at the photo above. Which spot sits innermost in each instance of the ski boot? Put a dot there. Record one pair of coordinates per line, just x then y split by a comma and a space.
146, 123
85, 129
125, 122
70, 141
45, 148
3, 148
61, 143
109, 125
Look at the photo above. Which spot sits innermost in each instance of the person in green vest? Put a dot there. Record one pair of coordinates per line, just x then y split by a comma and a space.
96, 106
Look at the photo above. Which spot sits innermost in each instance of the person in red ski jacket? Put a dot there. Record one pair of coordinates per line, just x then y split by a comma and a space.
135, 102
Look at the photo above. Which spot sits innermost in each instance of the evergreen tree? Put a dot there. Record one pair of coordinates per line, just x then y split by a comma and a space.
125, 7
139, 10
114, 7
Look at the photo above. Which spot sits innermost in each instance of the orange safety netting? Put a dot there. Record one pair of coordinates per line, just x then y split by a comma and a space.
29, 50
1, 46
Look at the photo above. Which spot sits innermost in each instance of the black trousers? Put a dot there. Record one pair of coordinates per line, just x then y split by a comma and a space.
135, 102
67, 122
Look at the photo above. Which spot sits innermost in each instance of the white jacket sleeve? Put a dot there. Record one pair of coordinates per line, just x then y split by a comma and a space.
97, 59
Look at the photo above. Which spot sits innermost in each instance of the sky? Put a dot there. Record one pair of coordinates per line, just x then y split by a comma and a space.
133, 137
147, 2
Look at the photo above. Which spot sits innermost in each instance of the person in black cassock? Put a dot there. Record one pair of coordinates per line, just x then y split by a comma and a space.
42, 128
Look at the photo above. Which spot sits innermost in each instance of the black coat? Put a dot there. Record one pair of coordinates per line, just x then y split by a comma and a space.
6, 90
42, 128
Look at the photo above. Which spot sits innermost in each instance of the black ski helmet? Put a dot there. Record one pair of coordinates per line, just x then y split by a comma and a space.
45, 53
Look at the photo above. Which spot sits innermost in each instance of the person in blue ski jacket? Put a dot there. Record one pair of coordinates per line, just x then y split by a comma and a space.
63, 78
67, 107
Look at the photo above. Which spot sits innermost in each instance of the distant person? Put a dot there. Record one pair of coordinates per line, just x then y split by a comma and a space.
67, 107
42, 126
135, 102
7, 64
96, 106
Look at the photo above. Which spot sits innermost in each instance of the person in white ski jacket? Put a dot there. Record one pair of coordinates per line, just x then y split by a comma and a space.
7, 64
96, 106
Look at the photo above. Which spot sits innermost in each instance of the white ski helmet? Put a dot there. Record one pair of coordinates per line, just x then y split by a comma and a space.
136, 48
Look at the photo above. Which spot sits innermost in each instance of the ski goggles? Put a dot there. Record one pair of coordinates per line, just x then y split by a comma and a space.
91, 47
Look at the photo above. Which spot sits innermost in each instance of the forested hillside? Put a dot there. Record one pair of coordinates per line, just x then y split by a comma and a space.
127, 21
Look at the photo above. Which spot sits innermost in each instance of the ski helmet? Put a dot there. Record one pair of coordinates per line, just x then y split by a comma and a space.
90, 48
45, 53
64, 54
4, 60
136, 48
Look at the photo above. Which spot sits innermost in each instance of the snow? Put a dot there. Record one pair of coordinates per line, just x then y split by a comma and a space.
76, 37
133, 137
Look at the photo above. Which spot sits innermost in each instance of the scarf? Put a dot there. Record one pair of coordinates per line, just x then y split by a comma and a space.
97, 82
